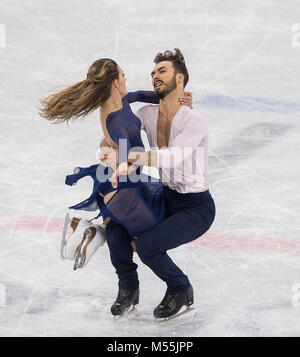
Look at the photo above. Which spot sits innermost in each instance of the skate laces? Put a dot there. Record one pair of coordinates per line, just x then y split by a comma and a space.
122, 296
168, 300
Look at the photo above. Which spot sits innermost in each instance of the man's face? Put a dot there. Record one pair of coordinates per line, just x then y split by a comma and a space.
163, 78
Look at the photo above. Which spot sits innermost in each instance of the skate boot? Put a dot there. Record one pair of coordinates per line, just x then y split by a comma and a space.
70, 243
93, 238
172, 303
125, 299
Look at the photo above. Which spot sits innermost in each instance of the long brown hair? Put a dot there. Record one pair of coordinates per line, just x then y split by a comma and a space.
83, 97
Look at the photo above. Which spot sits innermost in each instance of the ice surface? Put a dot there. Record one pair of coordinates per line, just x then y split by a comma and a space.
244, 74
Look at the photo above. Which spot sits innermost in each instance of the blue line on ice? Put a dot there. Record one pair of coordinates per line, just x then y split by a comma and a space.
248, 104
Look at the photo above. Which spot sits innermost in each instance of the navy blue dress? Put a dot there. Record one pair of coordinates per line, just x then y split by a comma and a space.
138, 203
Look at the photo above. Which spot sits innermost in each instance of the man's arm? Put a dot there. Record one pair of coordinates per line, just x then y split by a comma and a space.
148, 158
183, 145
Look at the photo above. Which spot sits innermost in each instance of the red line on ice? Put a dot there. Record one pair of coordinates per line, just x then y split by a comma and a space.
30, 223
219, 241
254, 244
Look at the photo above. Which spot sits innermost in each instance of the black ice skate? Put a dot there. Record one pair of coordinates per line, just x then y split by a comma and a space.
172, 303
125, 299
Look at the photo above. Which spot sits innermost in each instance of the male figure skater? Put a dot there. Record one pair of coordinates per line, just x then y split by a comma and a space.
180, 136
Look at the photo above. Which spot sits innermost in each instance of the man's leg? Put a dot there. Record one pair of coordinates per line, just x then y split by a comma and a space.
182, 227
121, 254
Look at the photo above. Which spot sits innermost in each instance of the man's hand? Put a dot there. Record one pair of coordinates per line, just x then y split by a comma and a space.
108, 156
187, 99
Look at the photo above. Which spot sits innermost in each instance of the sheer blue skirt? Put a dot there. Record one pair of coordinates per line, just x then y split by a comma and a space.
137, 205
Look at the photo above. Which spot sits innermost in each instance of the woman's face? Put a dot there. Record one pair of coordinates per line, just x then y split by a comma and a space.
122, 82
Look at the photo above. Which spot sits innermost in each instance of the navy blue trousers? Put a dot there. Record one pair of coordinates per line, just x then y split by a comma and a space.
188, 216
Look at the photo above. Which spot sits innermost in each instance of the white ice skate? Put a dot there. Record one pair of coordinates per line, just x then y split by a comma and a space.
94, 237
81, 230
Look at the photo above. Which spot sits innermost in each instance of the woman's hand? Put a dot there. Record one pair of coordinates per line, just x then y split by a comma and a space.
187, 99
123, 169
108, 156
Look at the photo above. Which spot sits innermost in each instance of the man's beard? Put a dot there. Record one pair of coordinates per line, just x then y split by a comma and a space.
170, 86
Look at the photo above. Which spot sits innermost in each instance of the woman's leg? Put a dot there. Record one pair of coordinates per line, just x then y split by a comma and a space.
106, 198
109, 196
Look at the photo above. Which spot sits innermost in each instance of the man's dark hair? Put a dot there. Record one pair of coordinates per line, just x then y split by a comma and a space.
176, 57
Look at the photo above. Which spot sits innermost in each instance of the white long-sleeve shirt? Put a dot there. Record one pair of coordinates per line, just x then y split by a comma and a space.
182, 165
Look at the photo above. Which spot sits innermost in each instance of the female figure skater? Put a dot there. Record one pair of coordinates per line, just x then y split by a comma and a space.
136, 202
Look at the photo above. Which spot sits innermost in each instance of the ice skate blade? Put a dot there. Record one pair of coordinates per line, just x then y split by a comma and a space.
125, 314
165, 319
80, 256
63, 238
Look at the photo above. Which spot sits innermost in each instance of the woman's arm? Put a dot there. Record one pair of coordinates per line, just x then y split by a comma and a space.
104, 143
144, 96
150, 97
